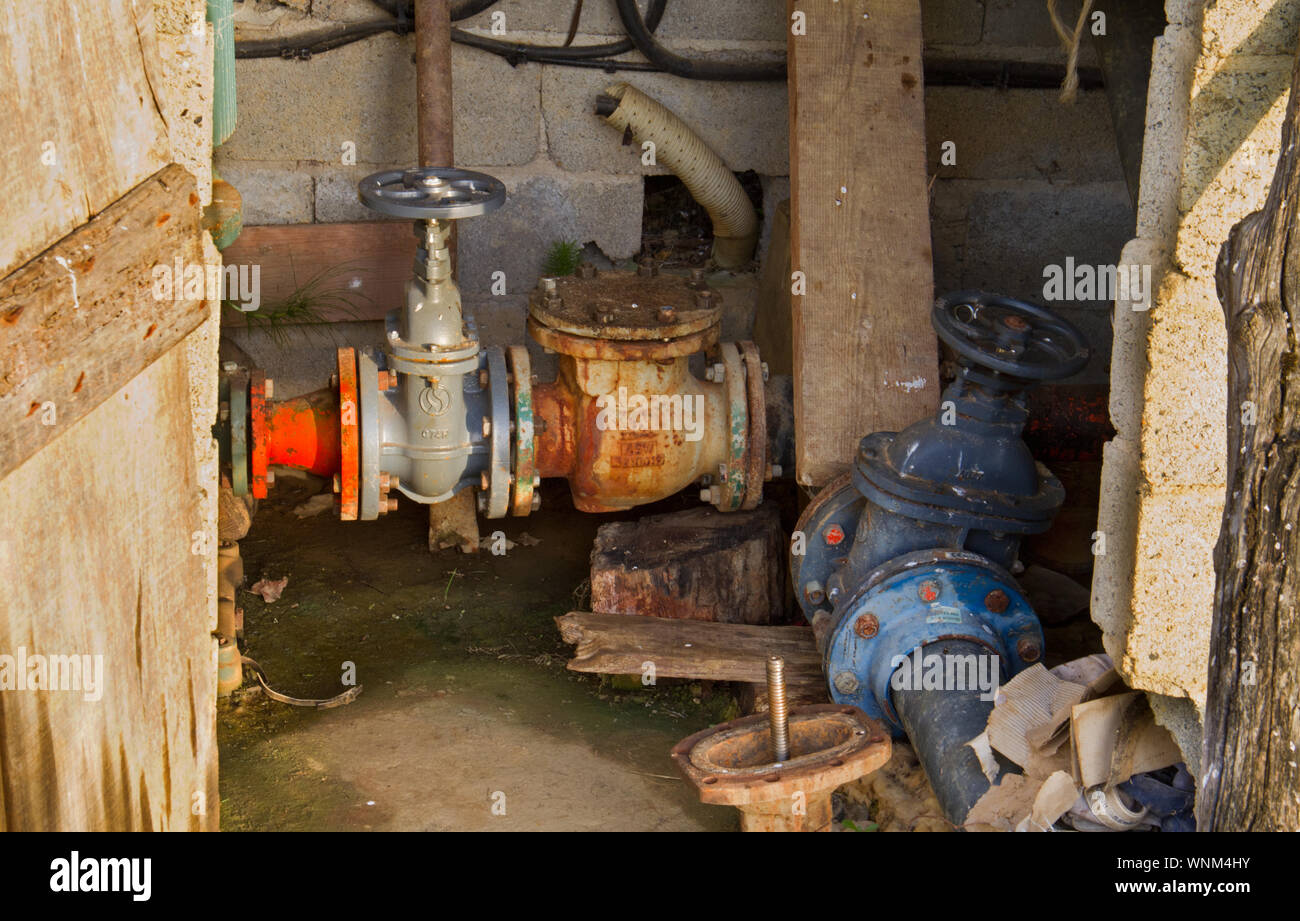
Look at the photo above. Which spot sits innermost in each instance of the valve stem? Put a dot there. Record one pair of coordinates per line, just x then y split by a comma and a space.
778, 713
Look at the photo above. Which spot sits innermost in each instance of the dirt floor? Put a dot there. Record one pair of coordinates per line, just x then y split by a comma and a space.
465, 697
468, 719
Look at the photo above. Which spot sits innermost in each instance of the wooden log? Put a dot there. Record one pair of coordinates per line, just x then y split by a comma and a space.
865, 356
699, 564
621, 644
1250, 777
356, 271
84, 317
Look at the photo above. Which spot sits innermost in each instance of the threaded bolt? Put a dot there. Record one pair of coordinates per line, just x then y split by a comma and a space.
778, 711
537, 502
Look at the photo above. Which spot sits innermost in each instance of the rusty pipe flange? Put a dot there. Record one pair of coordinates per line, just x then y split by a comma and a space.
349, 448
525, 466
368, 453
622, 349
498, 494
756, 455
239, 465
731, 478
624, 306
257, 432
729, 764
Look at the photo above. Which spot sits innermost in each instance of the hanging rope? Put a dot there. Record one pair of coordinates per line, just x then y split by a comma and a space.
1070, 42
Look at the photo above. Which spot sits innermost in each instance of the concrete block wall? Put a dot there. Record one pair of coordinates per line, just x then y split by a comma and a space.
1219, 87
569, 176
1033, 181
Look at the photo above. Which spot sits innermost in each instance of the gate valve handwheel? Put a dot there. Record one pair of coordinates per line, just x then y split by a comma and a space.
1008, 336
432, 193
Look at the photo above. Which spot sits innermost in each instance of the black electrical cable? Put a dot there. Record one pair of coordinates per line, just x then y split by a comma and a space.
592, 56
690, 68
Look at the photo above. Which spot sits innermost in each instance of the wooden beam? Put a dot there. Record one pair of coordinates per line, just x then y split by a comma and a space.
83, 318
361, 268
620, 644
865, 357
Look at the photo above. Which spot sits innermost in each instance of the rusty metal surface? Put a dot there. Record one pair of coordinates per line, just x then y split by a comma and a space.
730, 764
756, 450
521, 375
304, 432
257, 432
731, 474
349, 436
622, 349
626, 306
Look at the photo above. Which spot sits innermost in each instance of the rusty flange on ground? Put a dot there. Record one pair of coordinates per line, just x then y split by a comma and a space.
731, 764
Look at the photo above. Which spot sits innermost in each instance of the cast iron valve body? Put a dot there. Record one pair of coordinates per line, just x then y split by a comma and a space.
915, 545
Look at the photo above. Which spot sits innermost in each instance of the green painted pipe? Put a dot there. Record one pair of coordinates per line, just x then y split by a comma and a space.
222, 16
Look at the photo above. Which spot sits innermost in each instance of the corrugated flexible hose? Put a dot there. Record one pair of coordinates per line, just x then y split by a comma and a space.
679, 149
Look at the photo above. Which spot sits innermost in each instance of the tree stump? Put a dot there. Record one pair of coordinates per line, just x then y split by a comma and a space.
1252, 729
699, 564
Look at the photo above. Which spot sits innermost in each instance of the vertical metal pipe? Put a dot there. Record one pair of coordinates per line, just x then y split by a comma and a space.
777, 711
433, 81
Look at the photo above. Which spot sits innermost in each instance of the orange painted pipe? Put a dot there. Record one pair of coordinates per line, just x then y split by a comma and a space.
304, 432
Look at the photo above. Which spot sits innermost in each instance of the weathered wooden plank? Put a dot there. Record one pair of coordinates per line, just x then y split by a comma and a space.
102, 554
698, 564
865, 357
80, 122
84, 317
1249, 776
360, 269
620, 644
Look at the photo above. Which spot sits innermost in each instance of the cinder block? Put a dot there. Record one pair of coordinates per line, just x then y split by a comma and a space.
543, 208
1016, 229
273, 193
776, 189
364, 94
1036, 136
1166, 648
744, 123
952, 22
1235, 125
1128, 360
1240, 29
1184, 722
1184, 413
336, 193
1025, 22
1115, 543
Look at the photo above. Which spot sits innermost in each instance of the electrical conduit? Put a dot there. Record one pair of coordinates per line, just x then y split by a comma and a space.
678, 148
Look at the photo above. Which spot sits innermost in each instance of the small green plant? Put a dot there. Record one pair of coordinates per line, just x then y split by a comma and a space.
325, 292
562, 258
850, 825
